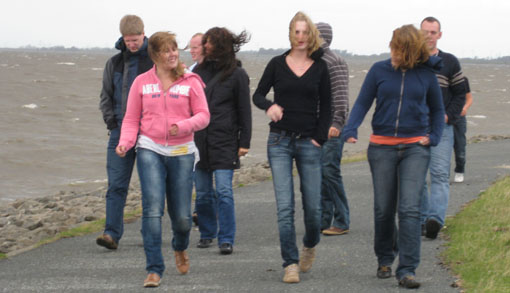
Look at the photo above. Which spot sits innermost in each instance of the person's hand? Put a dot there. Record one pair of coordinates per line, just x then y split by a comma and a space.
121, 151
425, 141
351, 140
275, 113
174, 129
445, 118
464, 112
242, 152
333, 132
315, 143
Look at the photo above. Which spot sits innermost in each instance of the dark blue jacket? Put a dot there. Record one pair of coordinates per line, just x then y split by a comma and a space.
119, 73
408, 104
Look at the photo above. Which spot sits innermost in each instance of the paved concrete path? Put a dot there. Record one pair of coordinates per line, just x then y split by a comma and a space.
344, 263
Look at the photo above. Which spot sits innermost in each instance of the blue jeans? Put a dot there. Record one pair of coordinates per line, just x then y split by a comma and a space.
334, 200
119, 172
215, 206
161, 178
434, 206
398, 175
459, 144
281, 151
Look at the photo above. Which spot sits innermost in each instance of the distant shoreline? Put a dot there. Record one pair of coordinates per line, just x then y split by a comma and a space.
261, 52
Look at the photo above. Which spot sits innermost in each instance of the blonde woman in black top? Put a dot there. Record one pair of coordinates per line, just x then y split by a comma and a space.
300, 118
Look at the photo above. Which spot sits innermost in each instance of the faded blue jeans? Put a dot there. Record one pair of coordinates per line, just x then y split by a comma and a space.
215, 205
334, 201
119, 172
161, 178
398, 175
434, 206
282, 151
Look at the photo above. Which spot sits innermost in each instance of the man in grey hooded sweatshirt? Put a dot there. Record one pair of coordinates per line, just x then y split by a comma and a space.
334, 201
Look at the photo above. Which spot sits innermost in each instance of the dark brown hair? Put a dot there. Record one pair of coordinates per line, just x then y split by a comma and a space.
225, 46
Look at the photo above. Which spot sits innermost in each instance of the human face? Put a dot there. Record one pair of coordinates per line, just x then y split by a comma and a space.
431, 30
301, 32
396, 59
133, 42
208, 47
195, 49
168, 58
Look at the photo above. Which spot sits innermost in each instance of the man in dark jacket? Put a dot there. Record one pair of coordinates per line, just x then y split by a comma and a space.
451, 81
119, 73
225, 140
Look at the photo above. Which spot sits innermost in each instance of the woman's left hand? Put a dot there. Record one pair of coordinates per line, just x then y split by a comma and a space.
174, 129
242, 152
315, 143
425, 141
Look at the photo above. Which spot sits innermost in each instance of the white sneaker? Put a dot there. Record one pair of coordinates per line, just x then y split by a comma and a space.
459, 177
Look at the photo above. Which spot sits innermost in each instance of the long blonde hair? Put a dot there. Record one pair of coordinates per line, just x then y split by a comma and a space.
314, 40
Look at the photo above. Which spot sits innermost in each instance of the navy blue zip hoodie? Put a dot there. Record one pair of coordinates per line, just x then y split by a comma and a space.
408, 104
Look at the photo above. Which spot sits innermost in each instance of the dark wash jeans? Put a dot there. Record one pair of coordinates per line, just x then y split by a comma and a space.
398, 175
459, 144
119, 172
282, 151
334, 200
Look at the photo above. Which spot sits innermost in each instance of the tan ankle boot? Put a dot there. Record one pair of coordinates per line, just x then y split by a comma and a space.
182, 261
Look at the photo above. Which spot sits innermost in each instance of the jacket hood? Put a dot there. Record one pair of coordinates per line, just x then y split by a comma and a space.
120, 45
326, 33
435, 63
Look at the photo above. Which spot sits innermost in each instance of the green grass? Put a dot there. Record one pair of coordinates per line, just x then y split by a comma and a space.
88, 228
2, 255
478, 250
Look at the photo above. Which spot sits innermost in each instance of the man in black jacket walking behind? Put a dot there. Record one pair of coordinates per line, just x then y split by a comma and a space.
119, 73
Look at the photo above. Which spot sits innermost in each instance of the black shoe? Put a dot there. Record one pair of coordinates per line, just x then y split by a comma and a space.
226, 248
204, 243
432, 226
194, 217
423, 230
384, 272
409, 282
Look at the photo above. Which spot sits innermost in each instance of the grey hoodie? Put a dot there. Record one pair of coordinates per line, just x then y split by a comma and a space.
339, 76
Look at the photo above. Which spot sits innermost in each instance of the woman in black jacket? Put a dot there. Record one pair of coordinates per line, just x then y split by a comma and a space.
225, 139
300, 114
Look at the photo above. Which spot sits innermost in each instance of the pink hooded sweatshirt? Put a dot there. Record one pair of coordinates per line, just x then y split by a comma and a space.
152, 111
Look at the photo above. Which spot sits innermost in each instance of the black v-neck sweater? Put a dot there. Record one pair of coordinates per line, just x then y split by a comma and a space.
306, 100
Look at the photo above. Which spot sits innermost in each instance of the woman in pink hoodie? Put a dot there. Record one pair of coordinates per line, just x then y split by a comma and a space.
165, 107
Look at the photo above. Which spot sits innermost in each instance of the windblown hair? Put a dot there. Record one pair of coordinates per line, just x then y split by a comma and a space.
225, 46
431, 19
131, 25
160, 42
314, 39
409, 44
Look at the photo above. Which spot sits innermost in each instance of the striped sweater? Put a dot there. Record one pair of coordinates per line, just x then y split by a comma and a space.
451, 81
339, 76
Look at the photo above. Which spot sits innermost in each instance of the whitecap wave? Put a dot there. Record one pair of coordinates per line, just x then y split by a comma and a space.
96, 68
66, 63
478, 116
30, 106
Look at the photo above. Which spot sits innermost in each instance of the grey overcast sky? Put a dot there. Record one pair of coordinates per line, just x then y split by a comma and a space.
470, 28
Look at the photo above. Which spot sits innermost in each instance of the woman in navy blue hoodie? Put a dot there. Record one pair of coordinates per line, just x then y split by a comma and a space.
408, 119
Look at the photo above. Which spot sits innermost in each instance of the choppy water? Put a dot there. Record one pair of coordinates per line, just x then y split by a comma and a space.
53, 137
